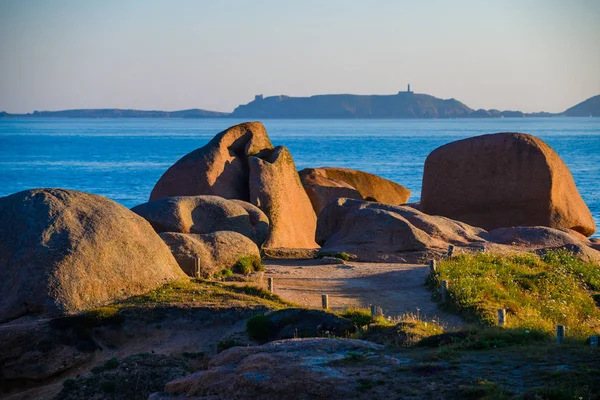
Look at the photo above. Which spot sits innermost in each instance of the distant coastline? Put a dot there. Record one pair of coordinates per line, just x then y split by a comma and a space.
403, 105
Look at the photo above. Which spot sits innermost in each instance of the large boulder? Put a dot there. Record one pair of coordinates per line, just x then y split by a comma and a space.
63, 251
320, 184
205, 214
370, 231
286, 369
219, 168
214, 251
503, 180
276, 189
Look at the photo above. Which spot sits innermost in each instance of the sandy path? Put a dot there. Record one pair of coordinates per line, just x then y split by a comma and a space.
396, 288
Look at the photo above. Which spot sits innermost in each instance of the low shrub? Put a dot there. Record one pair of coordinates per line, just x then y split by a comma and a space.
248, 264
224, 273
359, 316
259, 327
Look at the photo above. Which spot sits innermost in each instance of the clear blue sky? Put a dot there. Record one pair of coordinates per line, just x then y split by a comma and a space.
529, 54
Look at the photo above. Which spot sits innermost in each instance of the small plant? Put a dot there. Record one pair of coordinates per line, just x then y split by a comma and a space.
259, 327
340, 254
360, 316
248, 264
111, 364
224, 273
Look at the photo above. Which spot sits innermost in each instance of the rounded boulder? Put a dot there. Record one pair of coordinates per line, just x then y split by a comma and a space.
502, 180
205, 214
214, 251
63, 251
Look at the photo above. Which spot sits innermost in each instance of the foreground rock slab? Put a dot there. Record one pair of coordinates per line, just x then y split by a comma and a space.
63, 251
286, 369
503, 180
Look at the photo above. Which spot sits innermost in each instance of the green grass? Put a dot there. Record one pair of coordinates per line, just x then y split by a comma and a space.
248, 264
537, 292
224, 273
359, 316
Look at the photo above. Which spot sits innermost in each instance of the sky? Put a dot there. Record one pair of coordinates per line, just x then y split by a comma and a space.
528, 55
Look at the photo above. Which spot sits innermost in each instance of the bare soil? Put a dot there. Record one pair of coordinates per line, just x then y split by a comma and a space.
396, 288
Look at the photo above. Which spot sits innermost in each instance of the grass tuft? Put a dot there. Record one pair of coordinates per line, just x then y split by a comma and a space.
248, 264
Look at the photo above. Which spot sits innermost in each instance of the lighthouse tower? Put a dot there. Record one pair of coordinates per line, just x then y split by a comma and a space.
408, 89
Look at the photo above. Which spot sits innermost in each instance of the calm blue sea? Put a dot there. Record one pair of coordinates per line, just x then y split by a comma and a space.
123, 158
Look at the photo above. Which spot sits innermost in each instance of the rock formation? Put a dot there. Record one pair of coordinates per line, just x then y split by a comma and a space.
503, 180
326, 184
275, 187
379, 232
214, 251
277, 370
205, 214
219, 168
240, 163
63, 251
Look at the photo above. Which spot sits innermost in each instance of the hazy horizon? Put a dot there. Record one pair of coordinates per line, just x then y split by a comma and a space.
157, 55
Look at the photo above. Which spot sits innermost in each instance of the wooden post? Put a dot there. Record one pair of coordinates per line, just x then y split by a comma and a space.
450, 251
325, 301
560, 333
432, 267
196, 270
270, 284
444, 291
594, 341
501, 317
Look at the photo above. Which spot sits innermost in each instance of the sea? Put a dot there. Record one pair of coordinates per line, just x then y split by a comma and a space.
123, 158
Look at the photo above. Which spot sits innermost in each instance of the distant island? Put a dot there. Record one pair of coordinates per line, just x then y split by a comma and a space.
404, 104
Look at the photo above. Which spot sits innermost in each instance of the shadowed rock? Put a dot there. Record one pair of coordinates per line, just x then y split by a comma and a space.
214, 251
325, 184
205, 214
276, 189
219, 168
503, 180
63, 251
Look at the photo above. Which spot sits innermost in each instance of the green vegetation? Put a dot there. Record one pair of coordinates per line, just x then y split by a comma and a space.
340, 254
258, 327
537, 292
224, 273
359, 316
404, 331
248, 264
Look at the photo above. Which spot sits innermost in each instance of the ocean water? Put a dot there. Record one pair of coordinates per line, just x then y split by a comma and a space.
123, 158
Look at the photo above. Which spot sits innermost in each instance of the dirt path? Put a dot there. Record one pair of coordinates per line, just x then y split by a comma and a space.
396, 288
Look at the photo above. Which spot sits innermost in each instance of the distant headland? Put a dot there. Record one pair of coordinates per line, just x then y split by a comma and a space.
404, 104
